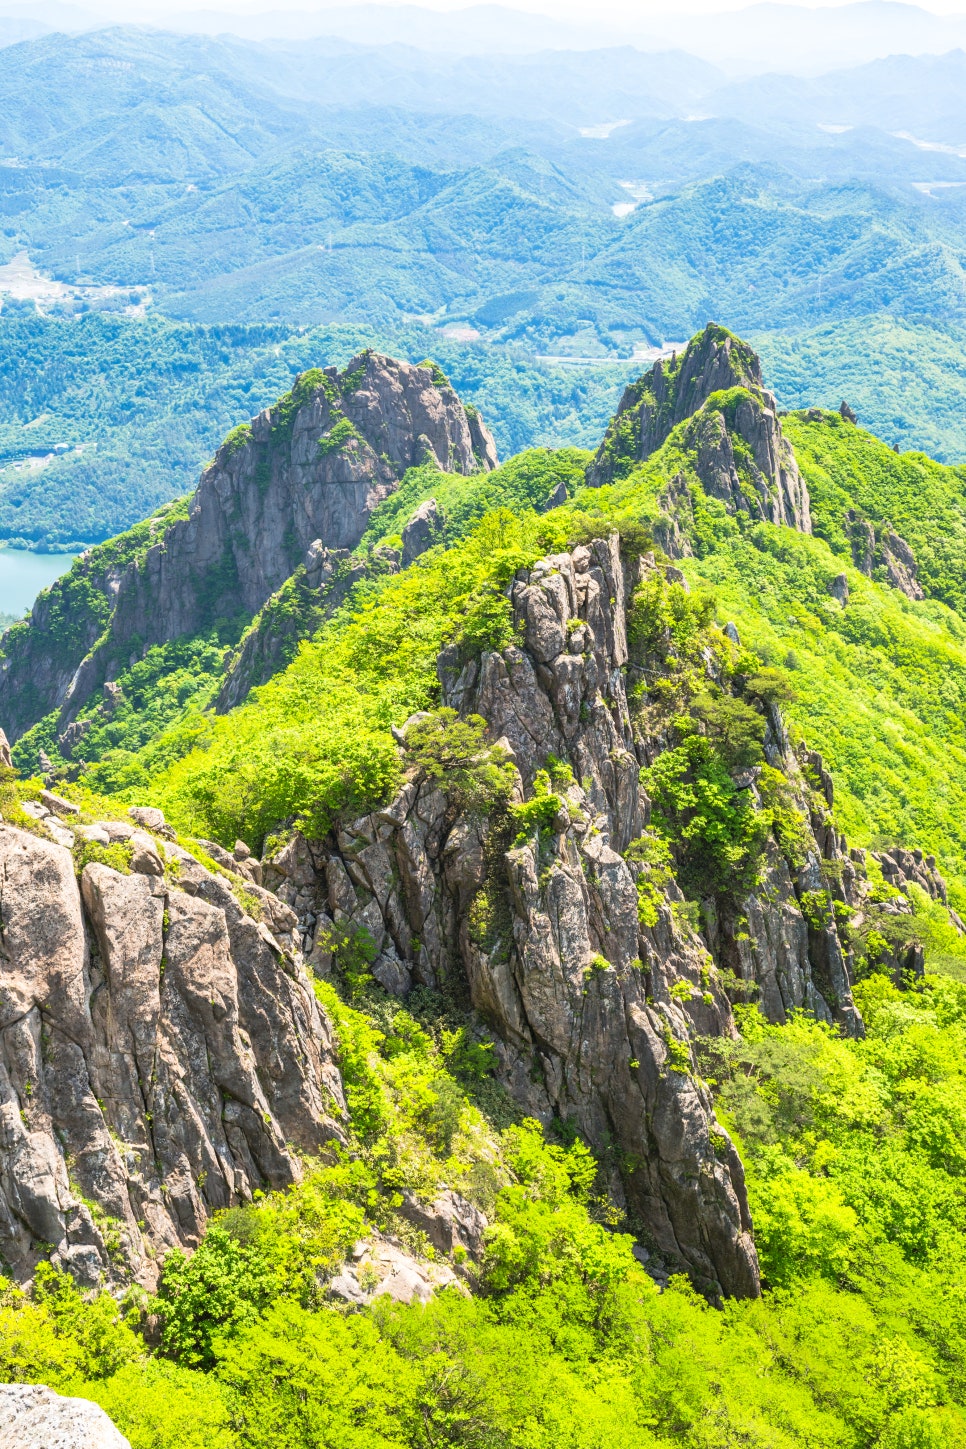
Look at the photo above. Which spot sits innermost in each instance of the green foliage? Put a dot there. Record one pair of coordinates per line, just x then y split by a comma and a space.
236, 440
301, 1379
341, 433
855, 1150
525, 482
283, 1245
851, 1146
488, 623
222, 1286
715, 831
879, 686
653, 853
665, 619
315, 741
438, 375
735, 729
353, 951
453, 752
847, 468
161, 1405
536, 815
869, 360
58, 1337
91, 852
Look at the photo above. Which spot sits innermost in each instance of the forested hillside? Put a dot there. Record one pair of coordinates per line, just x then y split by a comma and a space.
142, 405
608, 807
491, 212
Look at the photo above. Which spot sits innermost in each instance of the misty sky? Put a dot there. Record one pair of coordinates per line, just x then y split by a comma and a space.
627, 11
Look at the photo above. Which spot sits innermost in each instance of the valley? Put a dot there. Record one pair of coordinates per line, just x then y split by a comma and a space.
392, 211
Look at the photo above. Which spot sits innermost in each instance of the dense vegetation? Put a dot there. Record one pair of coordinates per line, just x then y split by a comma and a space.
143, 405
905, 379
855, 1149
856, 1153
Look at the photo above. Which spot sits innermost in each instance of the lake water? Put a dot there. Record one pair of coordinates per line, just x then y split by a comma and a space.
24, 574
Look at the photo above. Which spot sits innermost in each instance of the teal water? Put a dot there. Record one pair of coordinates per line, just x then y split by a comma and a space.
23, 575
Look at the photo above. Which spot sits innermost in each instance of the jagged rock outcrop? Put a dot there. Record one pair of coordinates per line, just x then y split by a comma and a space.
421, 532
900, 565
311, 468
741, 454
593, 1011
902, 868
162, 1054
34, 1417
453, 1225
380, 1267
593, 1003
884, 555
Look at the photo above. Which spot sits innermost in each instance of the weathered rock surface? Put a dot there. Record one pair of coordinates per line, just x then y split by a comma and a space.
423, 530
452, 1225
294, 612
162, 1054
593, 1011
577, 991
311, 468
742, 456
34, 1417
884, 555
900, 565
380, 1267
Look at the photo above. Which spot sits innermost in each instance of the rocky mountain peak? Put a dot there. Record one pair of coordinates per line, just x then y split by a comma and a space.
312, 467
740, 454
576, 947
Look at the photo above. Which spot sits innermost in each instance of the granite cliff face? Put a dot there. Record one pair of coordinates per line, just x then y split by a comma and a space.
595, 1002
311, 468
732, 429
161, 1051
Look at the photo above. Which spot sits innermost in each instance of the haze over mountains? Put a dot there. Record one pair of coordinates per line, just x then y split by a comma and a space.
490, 187
743, 40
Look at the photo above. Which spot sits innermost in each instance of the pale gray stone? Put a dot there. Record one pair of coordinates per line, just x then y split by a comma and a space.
34, 1417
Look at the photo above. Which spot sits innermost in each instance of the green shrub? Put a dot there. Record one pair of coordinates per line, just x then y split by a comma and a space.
714, 831
536, 815
454, 754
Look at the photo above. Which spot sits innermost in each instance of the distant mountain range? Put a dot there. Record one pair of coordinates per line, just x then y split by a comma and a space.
493, 210
744, 41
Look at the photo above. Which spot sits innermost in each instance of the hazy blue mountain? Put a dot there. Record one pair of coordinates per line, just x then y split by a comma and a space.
288, 203
116, 100
921, 95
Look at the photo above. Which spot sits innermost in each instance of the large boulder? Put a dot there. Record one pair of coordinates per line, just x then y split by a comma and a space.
33, 1417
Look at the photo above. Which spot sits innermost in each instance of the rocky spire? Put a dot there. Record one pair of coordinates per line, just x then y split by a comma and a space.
741, 455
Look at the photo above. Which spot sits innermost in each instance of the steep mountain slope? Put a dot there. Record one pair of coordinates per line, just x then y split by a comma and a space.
313, 467
309, 473
167, 1042
548, 838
